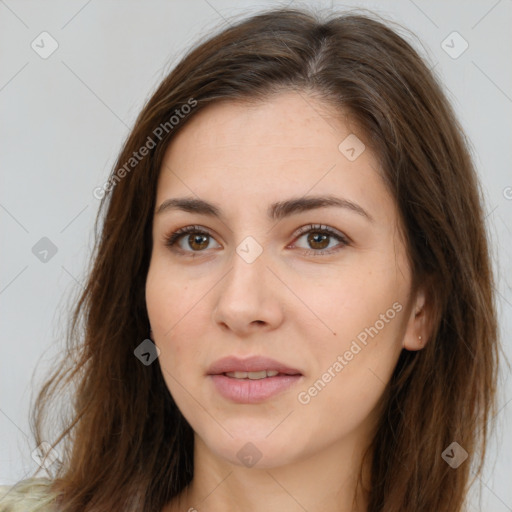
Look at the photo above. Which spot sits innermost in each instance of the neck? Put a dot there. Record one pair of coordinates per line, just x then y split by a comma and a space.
324, 481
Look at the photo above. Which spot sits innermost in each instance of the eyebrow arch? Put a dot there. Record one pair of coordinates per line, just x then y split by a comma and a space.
276, 211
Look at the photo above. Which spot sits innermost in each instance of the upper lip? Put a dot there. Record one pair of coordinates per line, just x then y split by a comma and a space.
249, 364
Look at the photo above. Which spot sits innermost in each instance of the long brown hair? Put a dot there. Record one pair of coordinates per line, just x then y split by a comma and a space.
124, 444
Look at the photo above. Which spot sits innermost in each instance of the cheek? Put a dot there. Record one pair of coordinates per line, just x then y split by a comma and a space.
166, 299
344, 391
354, 299
366, 309
167, 306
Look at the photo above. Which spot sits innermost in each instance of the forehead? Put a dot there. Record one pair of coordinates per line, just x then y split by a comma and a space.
300, 121
288, 145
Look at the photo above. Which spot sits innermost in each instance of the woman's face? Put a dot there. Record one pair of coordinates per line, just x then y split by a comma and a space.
279, 316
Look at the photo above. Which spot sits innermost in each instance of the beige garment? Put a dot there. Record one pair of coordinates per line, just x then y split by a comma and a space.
30, 495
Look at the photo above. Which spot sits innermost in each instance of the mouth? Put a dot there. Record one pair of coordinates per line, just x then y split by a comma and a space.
263, 374
252, 380
254, 367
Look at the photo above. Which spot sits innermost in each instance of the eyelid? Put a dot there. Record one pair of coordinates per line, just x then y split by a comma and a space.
322, 227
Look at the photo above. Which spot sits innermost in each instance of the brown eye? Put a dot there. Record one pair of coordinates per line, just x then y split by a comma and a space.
318, 239
198, 242
189, 239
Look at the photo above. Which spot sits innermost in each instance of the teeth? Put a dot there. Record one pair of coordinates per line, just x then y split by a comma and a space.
253, 375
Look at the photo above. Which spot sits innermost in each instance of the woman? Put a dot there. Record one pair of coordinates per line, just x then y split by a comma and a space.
291, 305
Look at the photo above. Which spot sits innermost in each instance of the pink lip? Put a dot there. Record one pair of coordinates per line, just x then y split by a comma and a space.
248, 391
250, 364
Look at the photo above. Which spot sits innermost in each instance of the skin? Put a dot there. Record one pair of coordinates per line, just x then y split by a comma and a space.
300, 308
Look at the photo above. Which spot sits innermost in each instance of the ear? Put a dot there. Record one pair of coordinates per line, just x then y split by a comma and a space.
419, 325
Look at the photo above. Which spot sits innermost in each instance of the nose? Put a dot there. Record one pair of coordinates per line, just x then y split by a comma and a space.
249, 298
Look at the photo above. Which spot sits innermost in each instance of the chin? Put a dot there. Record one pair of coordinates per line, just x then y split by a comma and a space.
257, 450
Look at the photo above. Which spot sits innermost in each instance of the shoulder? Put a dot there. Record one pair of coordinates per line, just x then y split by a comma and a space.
30, 495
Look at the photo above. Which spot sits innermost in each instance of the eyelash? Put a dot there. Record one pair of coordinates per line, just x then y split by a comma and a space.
174, 237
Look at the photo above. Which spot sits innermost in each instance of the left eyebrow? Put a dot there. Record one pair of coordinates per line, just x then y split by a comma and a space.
276, 211
282, 209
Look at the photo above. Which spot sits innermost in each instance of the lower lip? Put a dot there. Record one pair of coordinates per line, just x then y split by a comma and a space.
248, 391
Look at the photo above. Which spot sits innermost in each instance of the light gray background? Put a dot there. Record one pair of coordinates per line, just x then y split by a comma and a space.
64, 118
